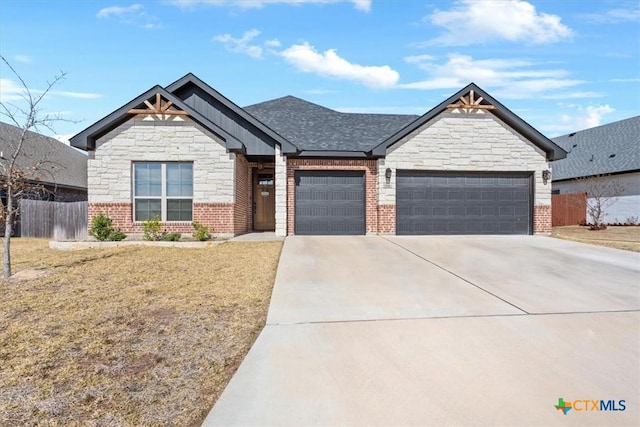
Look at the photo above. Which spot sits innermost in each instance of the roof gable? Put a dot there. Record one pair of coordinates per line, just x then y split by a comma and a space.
225, 113
486, 101
86, 139
62, 165
606, 149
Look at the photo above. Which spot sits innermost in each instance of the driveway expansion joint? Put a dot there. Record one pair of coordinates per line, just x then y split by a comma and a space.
456, 275
469, 316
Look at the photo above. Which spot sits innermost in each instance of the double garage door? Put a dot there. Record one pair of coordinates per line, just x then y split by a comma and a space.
333, 202
463, 203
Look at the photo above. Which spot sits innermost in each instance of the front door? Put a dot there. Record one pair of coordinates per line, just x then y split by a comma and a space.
264, 200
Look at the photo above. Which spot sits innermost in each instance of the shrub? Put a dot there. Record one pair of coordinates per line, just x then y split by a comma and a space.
171, 237
102, 229
117, 235
201, 232
152, 229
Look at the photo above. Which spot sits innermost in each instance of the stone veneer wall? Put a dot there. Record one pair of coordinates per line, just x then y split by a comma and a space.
281, 192
147, 138
371, 196
457, 141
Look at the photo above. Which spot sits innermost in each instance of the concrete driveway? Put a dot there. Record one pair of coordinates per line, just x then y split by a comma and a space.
442, 331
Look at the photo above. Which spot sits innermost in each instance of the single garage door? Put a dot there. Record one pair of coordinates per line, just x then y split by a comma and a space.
329, 202
463, 203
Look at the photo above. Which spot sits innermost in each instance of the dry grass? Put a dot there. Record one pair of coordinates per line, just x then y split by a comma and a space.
627, 238
128, 336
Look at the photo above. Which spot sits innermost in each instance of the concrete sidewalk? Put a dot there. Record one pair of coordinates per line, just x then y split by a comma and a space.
372, 331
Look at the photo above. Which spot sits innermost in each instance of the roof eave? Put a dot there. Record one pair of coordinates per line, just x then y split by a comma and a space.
335, 154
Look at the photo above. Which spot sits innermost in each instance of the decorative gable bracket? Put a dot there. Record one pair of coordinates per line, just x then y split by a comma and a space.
161, 107
469, 103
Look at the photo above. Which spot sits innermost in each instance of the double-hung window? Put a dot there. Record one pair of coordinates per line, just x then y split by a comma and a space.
163, 190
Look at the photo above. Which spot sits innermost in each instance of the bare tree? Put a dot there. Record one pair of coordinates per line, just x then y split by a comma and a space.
602, 192
19, 177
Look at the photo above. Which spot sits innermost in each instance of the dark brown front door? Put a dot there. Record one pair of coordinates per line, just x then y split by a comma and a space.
264, 200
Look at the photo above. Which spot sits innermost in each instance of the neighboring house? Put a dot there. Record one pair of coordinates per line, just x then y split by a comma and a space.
61, 174
612, 150
186, 153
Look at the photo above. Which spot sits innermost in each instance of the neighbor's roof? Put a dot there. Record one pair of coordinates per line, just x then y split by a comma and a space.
62, 165
312, 127
611, 148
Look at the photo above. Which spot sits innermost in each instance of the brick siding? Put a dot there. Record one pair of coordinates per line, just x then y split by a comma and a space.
242, 213
387, 219
217, 216
542, 219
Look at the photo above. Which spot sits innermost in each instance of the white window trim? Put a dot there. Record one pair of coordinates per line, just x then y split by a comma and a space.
163, 192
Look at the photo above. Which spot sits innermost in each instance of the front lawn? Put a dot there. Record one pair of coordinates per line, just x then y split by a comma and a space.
130, 335
620, 237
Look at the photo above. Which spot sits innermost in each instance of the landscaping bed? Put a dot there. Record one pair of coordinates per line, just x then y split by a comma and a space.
132, 335
620, 237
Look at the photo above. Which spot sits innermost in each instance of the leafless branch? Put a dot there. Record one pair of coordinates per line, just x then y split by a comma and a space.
23, 178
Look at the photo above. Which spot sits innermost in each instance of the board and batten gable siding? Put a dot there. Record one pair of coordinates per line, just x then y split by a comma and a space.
227, 119
458, 141
147, 138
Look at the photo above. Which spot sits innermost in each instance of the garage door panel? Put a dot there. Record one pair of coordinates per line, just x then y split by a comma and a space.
329, 202
463, 203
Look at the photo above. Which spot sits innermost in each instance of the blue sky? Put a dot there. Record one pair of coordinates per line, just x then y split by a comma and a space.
560, 65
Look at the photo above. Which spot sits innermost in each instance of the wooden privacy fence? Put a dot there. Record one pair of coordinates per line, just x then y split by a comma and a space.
568, 209
53, 220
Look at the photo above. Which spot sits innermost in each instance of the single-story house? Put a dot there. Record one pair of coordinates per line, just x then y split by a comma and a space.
61, 172
611, 152
186, 153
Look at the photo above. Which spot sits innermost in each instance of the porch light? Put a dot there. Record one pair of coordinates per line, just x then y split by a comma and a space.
387, 175
546, 175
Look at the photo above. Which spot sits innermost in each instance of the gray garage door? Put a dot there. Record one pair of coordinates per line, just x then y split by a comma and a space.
329, 202
463, 203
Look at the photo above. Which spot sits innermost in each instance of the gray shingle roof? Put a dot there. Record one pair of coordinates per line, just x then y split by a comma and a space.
62, 165
315, 128
605, 149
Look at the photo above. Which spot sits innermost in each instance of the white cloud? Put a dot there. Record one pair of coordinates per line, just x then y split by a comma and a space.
579, 117
474, 22
363, 5
614, 16
242, 44
11, 91
627, 80
76, 95
119, 11
417, 59
25, 59
574, 95
594, 114
130, 15
305, 58
512, 78
273, 43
